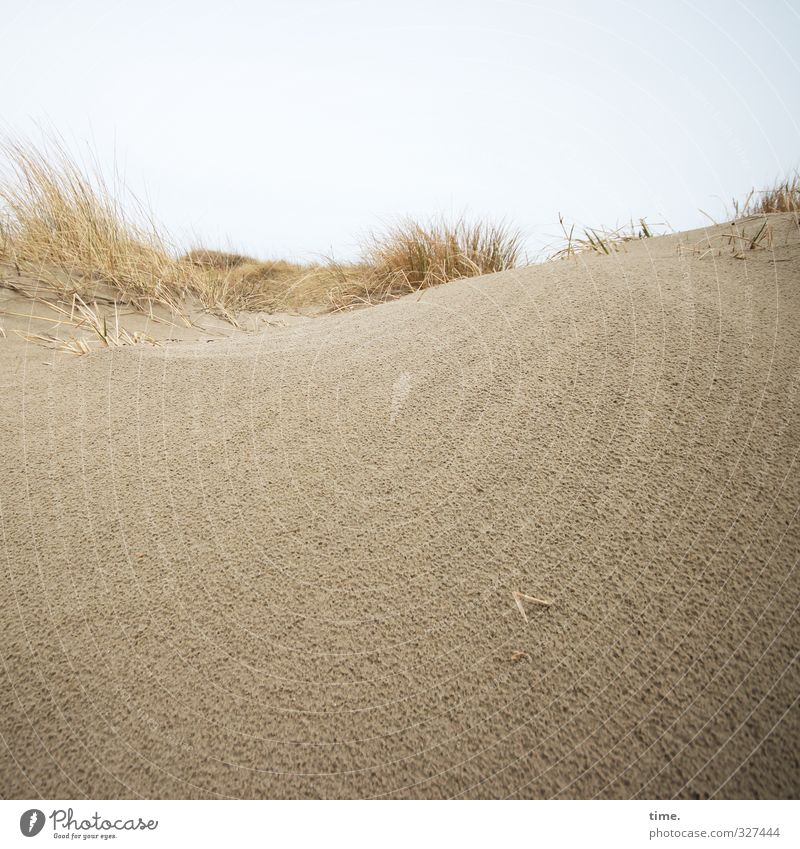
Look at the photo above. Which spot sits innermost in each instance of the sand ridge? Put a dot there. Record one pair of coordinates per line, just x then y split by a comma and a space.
283, 565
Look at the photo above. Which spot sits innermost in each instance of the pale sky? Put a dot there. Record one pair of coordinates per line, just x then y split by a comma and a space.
293, 128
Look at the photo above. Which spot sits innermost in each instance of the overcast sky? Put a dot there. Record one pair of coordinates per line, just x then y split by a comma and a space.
292, 128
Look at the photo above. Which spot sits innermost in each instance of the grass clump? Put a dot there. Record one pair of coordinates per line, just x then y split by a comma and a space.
68, 225
782, 196
410, 255
601, 240
403, 259
68, 228
83, 316
219, 260
277, 285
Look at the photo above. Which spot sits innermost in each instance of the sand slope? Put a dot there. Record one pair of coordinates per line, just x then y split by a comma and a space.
283, 565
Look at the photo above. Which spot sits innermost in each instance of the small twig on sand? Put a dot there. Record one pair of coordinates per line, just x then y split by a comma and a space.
520, 597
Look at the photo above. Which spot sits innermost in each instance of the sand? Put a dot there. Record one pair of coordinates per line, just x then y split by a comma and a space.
282, 564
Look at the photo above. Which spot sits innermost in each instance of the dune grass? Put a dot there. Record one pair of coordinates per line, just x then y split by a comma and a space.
237, 281
410, 255
782, 196
66, 226
601, 240
79, 315
402, 259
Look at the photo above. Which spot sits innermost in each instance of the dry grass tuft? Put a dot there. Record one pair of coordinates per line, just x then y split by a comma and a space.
63, 219
601, 240
80, 315
411, 256
275, 286
222, 260
783, 196
68, 228
737, 239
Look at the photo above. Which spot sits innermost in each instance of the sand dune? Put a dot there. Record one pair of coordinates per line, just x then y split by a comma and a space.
283, 564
